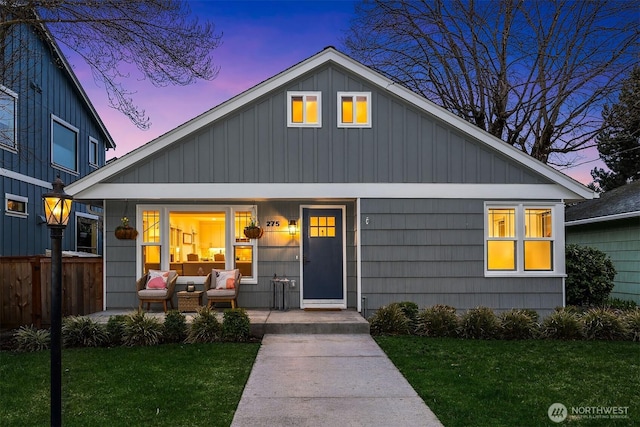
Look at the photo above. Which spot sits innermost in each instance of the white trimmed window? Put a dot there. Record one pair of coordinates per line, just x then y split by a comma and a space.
64, 145
16, 205
8, 118
354, 109
93, 151
523, 239
304, 109
194, 239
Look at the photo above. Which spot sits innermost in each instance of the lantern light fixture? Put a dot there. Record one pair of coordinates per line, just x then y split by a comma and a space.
292, 227
57, 205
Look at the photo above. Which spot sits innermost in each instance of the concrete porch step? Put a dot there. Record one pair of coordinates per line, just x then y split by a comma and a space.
297, 321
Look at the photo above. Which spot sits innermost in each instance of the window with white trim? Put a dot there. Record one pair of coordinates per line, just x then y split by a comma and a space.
93, 151
64, 145
16, 205
193, 240
8, 118
354, 109
304, 109
521, 239
86, 233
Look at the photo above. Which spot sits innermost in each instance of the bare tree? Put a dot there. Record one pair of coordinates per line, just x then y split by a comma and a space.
533, 73
155, 38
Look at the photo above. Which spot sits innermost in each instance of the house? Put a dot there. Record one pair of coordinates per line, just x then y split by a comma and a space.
48, 128
612, 224
389, 198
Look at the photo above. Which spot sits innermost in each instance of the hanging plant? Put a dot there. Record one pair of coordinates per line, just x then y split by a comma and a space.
253, 230
124, 231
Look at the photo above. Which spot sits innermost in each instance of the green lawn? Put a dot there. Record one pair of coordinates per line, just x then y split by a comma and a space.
513, 383
165, 385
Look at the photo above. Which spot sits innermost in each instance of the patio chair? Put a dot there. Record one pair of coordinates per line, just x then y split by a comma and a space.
221, 295
149, 292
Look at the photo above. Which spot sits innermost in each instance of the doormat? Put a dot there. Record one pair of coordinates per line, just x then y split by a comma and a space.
322, 309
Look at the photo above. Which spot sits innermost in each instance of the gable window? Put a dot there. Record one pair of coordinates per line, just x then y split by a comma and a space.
354, 109
93, 152
15, 205
8, 118
304, 109
521, 239
64, 145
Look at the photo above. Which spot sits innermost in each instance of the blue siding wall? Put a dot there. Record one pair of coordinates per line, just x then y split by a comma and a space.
44, 88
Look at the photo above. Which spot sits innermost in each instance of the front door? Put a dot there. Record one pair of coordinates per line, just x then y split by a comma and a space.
323, 258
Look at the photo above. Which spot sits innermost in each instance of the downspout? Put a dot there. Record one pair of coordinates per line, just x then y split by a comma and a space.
358, 258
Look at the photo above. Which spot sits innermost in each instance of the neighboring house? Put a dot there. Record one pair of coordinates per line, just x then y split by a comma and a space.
394, 199
612, 224
48, 127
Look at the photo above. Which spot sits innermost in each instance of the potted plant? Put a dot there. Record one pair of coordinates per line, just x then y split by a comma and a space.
124, 231
253, 230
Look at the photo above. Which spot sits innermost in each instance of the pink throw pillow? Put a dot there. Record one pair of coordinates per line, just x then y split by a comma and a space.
157, 279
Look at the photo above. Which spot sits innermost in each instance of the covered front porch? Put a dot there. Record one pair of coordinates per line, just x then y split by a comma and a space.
294, 321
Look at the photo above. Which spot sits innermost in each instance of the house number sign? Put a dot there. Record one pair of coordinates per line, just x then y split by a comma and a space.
271, 223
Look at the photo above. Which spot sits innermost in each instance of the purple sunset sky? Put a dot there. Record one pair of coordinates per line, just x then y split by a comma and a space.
260, 39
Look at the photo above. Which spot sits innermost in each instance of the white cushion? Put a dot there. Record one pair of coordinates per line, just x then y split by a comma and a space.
225, 279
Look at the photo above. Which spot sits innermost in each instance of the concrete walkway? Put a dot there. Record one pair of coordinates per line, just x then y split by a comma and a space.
328, 380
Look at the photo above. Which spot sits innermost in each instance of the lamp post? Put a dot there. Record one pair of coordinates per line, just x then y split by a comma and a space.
57, 207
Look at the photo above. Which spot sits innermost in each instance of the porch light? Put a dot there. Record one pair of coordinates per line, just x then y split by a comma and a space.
57, 205
292, 227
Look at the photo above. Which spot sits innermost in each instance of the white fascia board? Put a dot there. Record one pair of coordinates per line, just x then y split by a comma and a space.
213, 191
578, 190
603, 218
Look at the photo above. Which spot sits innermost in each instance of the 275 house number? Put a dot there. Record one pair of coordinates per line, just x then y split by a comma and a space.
273, 223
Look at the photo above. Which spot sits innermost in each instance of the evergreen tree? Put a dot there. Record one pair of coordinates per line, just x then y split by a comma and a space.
619, 138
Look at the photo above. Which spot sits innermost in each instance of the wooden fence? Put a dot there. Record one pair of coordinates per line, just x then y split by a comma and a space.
25, 289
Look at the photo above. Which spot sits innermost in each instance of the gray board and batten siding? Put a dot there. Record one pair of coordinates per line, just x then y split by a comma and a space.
254, 145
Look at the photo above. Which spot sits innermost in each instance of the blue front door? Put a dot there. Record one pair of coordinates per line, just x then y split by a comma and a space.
323, 257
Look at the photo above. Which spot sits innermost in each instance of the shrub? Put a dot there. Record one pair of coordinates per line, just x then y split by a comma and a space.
235, 325
438, 321
590, 275
631, 321
205, 327
174, 327
115, 329
81, 331
29, 338
603, 324
479, 323
562, 325
141, 330
518, 324
389, 320
411, 310
620, 304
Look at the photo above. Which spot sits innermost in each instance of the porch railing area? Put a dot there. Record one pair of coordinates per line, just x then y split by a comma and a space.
25, 289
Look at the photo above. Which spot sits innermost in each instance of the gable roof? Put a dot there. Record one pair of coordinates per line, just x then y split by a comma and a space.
619, 203
48, 38
329, 54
